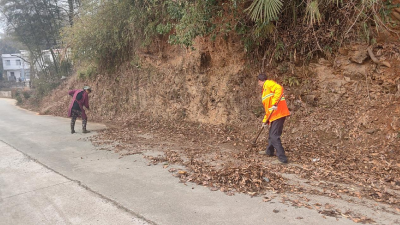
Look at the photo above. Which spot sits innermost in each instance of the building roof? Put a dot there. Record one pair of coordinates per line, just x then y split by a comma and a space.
16, 55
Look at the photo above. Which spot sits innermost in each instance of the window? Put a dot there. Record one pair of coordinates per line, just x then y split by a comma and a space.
27, 75
8, 63
46, 58
18, 62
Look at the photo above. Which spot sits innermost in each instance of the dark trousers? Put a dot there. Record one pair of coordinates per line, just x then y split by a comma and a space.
75, 114
274, 139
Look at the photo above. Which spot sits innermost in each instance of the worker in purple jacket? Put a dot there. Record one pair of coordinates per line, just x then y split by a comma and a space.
80, 98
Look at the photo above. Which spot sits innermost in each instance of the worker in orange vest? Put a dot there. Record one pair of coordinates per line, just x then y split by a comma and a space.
274, 102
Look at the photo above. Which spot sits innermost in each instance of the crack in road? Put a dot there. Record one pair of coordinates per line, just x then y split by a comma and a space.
43, 188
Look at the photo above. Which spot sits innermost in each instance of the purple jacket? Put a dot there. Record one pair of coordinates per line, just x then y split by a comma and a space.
83, 102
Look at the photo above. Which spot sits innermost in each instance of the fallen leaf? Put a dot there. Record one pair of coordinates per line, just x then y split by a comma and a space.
266, 199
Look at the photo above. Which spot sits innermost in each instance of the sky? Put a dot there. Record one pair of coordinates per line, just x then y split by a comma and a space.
2, 27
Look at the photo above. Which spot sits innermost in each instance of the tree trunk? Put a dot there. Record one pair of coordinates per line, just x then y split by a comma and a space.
71, 12
55, 60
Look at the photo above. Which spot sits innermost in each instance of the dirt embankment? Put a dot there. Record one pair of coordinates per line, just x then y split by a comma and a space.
209, 85
343, 137
345, 101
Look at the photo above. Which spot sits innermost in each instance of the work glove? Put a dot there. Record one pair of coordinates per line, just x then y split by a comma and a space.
264, 125
274, 107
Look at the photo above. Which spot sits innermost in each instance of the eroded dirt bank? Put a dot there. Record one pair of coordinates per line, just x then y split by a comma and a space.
202, 107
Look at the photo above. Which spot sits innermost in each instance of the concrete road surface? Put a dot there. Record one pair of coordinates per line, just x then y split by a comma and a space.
48, 176
33, 194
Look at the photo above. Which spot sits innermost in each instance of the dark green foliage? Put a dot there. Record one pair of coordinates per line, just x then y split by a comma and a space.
37, 25
265, 10
196, 20
106, 35
26, 94
65, 68
43, 87
109, 33
87, 72
19, 99
8, 46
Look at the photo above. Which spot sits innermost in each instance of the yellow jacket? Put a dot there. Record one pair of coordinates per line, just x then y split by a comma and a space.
272, 91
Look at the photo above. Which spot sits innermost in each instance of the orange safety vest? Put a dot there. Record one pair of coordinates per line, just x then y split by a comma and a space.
272, 91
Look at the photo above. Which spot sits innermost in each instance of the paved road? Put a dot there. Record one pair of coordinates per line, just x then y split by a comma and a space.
33, 194
48, 176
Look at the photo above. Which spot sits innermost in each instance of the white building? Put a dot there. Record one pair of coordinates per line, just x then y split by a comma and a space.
48, 60
16, 66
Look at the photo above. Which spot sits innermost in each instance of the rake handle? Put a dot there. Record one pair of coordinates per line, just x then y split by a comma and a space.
269, 117
262, 128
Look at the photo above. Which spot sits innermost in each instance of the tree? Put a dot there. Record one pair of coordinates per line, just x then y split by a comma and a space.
8, 46
72, 5
36, 24
71, 12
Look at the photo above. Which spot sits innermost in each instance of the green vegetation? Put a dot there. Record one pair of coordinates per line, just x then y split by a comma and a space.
291, 81
103, 34
26, 94
265, 11
107, 33
37, 25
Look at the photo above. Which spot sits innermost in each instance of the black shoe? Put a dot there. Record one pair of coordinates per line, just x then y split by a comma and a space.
72, 131
265, 153
86, 131
283, 160
269, 154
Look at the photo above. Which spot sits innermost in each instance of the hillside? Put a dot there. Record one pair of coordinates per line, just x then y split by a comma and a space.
202, 109
176, 82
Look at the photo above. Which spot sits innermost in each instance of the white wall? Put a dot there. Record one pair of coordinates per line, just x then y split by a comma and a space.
17, 74
14, 63
13, 58
5, 94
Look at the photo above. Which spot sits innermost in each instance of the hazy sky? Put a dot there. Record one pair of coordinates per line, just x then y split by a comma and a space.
2, 26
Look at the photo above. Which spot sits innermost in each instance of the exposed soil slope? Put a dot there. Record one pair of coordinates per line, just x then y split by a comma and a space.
203, 108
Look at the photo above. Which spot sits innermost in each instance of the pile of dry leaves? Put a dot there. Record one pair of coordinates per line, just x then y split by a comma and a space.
339, 151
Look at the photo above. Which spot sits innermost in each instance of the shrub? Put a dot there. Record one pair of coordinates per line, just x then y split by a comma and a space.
19, 99
103, 34
107, 33
26, 94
